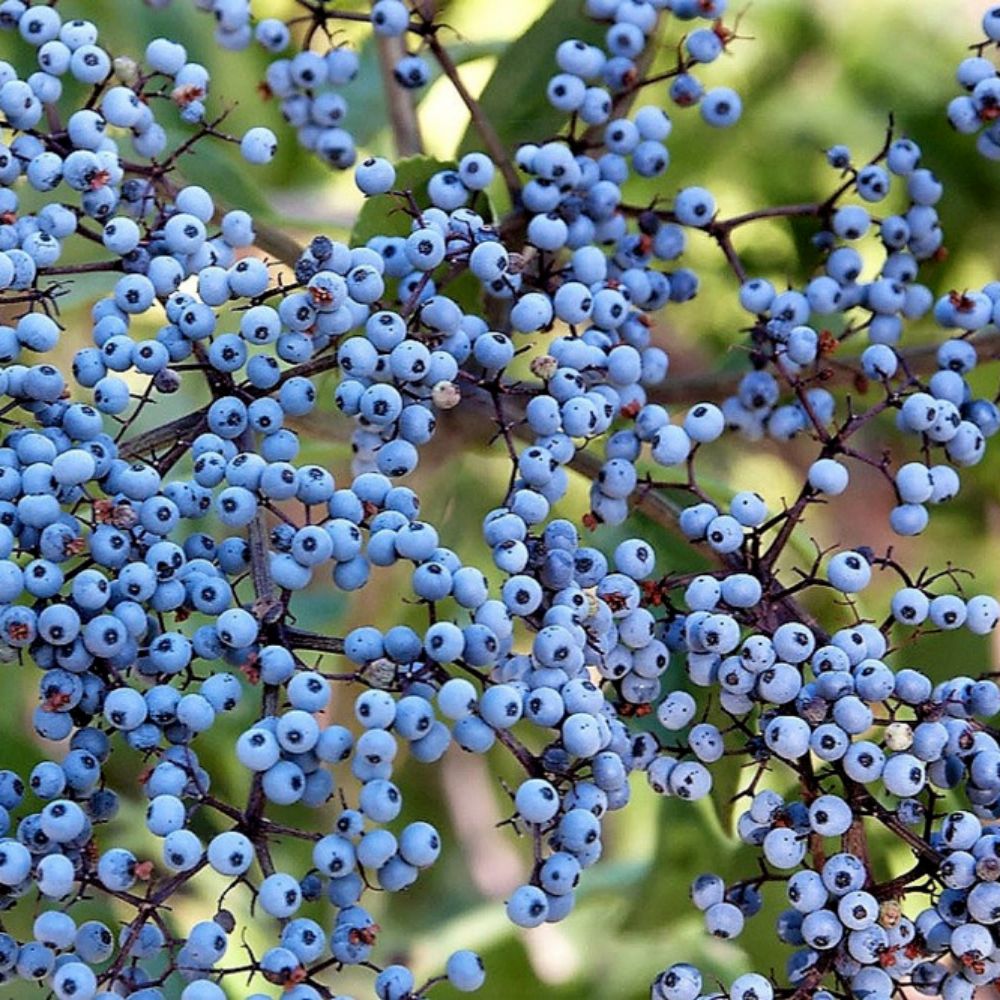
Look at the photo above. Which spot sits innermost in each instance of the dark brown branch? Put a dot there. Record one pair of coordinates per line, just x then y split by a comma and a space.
493, 143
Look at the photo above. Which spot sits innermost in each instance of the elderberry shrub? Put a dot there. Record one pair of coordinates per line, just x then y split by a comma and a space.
153, 577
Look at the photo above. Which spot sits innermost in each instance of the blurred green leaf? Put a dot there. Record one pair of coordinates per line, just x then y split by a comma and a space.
467, 291
213, 168
515, 100
677, 858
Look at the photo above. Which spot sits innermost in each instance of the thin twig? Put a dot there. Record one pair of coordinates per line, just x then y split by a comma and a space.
494, 144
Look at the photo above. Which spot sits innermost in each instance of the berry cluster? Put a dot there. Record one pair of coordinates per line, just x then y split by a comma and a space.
308, 80
151, 576
975, 111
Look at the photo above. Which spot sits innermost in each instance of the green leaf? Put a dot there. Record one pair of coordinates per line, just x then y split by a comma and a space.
210, 166
677, 857
382, 215
514, 99
466, 290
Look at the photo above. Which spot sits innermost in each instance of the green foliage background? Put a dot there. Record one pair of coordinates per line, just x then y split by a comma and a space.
814, 73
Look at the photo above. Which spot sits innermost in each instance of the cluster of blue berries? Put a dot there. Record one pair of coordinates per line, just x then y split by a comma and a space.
793, 343
591, 77
976, 110
310, 69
